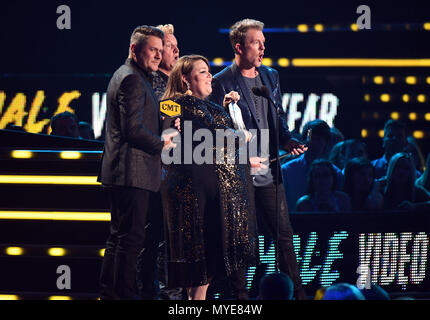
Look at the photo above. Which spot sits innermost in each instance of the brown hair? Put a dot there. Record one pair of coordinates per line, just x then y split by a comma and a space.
176, 86
141, 33
239, 29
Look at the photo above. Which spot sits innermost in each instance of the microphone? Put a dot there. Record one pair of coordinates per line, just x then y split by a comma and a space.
264, 92
170, 110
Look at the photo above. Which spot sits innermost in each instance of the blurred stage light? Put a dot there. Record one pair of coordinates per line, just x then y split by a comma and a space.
21, 154
426, 26
55, 215
411, 80
14, 251
218, 62
35, 179
8, 297
395, 115
406, 98
364, 133
354, 27
381, 133
57, 252
356, 62
413, 116
102, 252
385, 97
267, 62
378, 79
70, 155
283, 62
418, 134
421, 98
319, 27
392, 80
427, 116
60, 298
302, 28
367, 97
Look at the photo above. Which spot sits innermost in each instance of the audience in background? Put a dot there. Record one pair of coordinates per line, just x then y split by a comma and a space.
335, 137
316, 134
343, 291
65, 124
344, 151
413, 148
86, 131
375, 293
360, 185
322, 194
399, 188
423, 182
394, 141
276, 286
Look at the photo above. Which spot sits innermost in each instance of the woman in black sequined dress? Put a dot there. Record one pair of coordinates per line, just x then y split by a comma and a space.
209, 216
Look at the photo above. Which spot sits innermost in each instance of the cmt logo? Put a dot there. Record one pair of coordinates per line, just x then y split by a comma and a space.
170, 108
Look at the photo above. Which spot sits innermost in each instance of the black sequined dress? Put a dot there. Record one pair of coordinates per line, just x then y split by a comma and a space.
209, 214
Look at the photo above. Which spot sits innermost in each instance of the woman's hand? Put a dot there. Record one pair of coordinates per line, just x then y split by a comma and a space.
232, 96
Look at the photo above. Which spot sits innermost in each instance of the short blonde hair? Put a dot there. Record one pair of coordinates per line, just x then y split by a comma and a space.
238, 30
166, 28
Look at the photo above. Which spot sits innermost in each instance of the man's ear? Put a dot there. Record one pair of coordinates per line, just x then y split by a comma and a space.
238, 48
133, 48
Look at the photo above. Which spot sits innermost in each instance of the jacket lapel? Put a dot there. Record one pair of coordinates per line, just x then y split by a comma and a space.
266, 82
148, 85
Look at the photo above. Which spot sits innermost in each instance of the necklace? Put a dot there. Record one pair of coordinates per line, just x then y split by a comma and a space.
256, 98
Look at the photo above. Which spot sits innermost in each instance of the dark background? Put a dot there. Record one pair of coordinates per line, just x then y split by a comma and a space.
100, 30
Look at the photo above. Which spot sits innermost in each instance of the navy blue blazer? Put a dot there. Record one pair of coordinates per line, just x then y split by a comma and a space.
230, 79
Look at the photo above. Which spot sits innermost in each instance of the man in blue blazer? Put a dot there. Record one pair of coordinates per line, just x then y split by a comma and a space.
259, 113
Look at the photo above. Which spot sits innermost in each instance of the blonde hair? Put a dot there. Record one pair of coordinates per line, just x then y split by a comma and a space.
166, 28
238, 31
175, 85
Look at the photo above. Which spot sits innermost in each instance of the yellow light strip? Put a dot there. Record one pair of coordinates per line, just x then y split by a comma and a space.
8, 297
14, 251
60, 298
34, 179
70, 155
346, 62
21, 154
57, 252
55, 215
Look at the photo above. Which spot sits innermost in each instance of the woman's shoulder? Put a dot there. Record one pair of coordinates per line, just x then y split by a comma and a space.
183, 99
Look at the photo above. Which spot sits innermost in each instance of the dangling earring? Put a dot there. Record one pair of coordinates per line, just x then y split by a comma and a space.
188, 92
